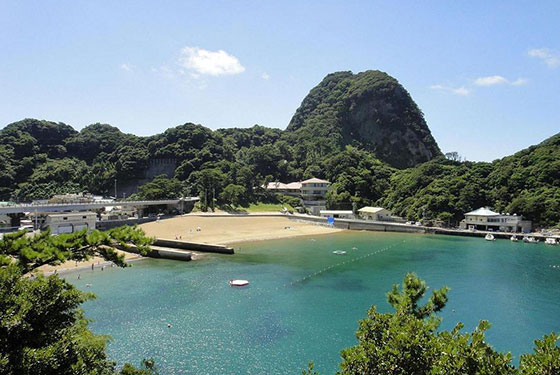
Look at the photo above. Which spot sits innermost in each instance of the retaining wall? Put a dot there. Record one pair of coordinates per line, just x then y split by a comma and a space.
354, 224
194, 246
109, 224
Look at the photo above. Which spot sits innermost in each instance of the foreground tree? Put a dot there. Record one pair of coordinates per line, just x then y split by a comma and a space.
42, 328
31, 252
407, 342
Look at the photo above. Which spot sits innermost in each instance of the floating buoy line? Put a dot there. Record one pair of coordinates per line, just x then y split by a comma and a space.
342, 264
324, 270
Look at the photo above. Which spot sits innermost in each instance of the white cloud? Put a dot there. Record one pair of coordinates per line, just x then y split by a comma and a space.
463, 91
499, 80
216, 63
490, 81
551, 58
126, 67
520, 82
265, 76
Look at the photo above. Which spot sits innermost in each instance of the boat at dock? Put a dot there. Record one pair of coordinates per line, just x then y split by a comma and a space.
489, 237
530, 240
551, 241
513, 238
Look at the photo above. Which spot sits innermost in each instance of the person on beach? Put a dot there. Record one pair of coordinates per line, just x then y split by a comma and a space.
92, 266
78, 276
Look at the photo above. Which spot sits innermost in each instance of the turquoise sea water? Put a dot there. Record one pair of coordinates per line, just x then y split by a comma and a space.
274, 327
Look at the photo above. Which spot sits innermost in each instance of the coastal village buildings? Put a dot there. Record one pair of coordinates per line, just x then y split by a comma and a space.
376, 214
70, 222
486, 219
338, 214
312, 192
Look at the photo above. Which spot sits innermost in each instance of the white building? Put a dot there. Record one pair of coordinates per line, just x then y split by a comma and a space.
70, 222
293, 188
486, 219
338, 214
312, 192
376, 214
118, 213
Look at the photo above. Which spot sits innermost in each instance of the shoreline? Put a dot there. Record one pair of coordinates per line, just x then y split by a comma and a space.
97, 263
231, 229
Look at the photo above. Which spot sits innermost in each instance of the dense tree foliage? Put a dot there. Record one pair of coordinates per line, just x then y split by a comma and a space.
31, 252
369, 110
356, 130
160, 187
526, 183
408, 342
42, 329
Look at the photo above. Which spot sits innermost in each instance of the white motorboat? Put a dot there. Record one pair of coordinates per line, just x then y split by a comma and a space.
513, 238
238, 282
339, 252
530, 240
489, 237
551, 241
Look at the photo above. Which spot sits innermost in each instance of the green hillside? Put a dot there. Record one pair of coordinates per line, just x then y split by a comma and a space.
357, 130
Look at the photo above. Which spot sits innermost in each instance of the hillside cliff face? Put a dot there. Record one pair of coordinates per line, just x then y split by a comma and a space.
370, 110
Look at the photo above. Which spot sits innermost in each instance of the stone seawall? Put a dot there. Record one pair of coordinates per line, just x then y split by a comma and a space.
194, 246
354, 224
109, 224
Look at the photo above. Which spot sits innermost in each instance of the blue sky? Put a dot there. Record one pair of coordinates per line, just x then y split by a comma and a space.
485, 74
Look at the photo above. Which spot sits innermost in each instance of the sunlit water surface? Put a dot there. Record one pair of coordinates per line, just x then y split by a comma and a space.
279, 323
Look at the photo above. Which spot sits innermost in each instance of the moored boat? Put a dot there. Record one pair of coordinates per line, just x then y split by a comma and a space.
551, 241
513, 238
238, 282
489, 237
530, 240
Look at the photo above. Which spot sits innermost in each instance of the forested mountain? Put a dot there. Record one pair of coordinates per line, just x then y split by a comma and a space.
368, 110
526, 183
362, 132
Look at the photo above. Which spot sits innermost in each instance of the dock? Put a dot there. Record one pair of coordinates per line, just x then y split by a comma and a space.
194, 246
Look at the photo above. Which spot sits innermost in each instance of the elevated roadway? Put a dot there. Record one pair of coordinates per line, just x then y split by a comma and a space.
85, 206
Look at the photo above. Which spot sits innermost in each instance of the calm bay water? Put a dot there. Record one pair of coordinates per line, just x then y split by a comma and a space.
275, 327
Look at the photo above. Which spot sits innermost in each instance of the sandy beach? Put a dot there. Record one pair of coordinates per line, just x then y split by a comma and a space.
222, 230
97, 262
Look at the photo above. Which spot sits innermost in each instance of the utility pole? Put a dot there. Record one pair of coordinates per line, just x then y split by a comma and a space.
115, 189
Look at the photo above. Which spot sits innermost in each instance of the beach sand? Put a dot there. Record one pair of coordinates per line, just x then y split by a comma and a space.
217, 230
97, 262
227, 230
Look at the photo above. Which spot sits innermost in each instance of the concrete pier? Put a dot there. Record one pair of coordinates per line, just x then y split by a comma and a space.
194, 246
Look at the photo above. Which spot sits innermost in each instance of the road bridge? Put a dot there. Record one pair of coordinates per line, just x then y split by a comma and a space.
84, 206
17, 210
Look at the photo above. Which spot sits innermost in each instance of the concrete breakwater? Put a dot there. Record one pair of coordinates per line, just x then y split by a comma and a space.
355, 224
161, 252
194, 246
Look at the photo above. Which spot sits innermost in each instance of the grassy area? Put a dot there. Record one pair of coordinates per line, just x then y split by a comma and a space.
258, 207
267, 207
